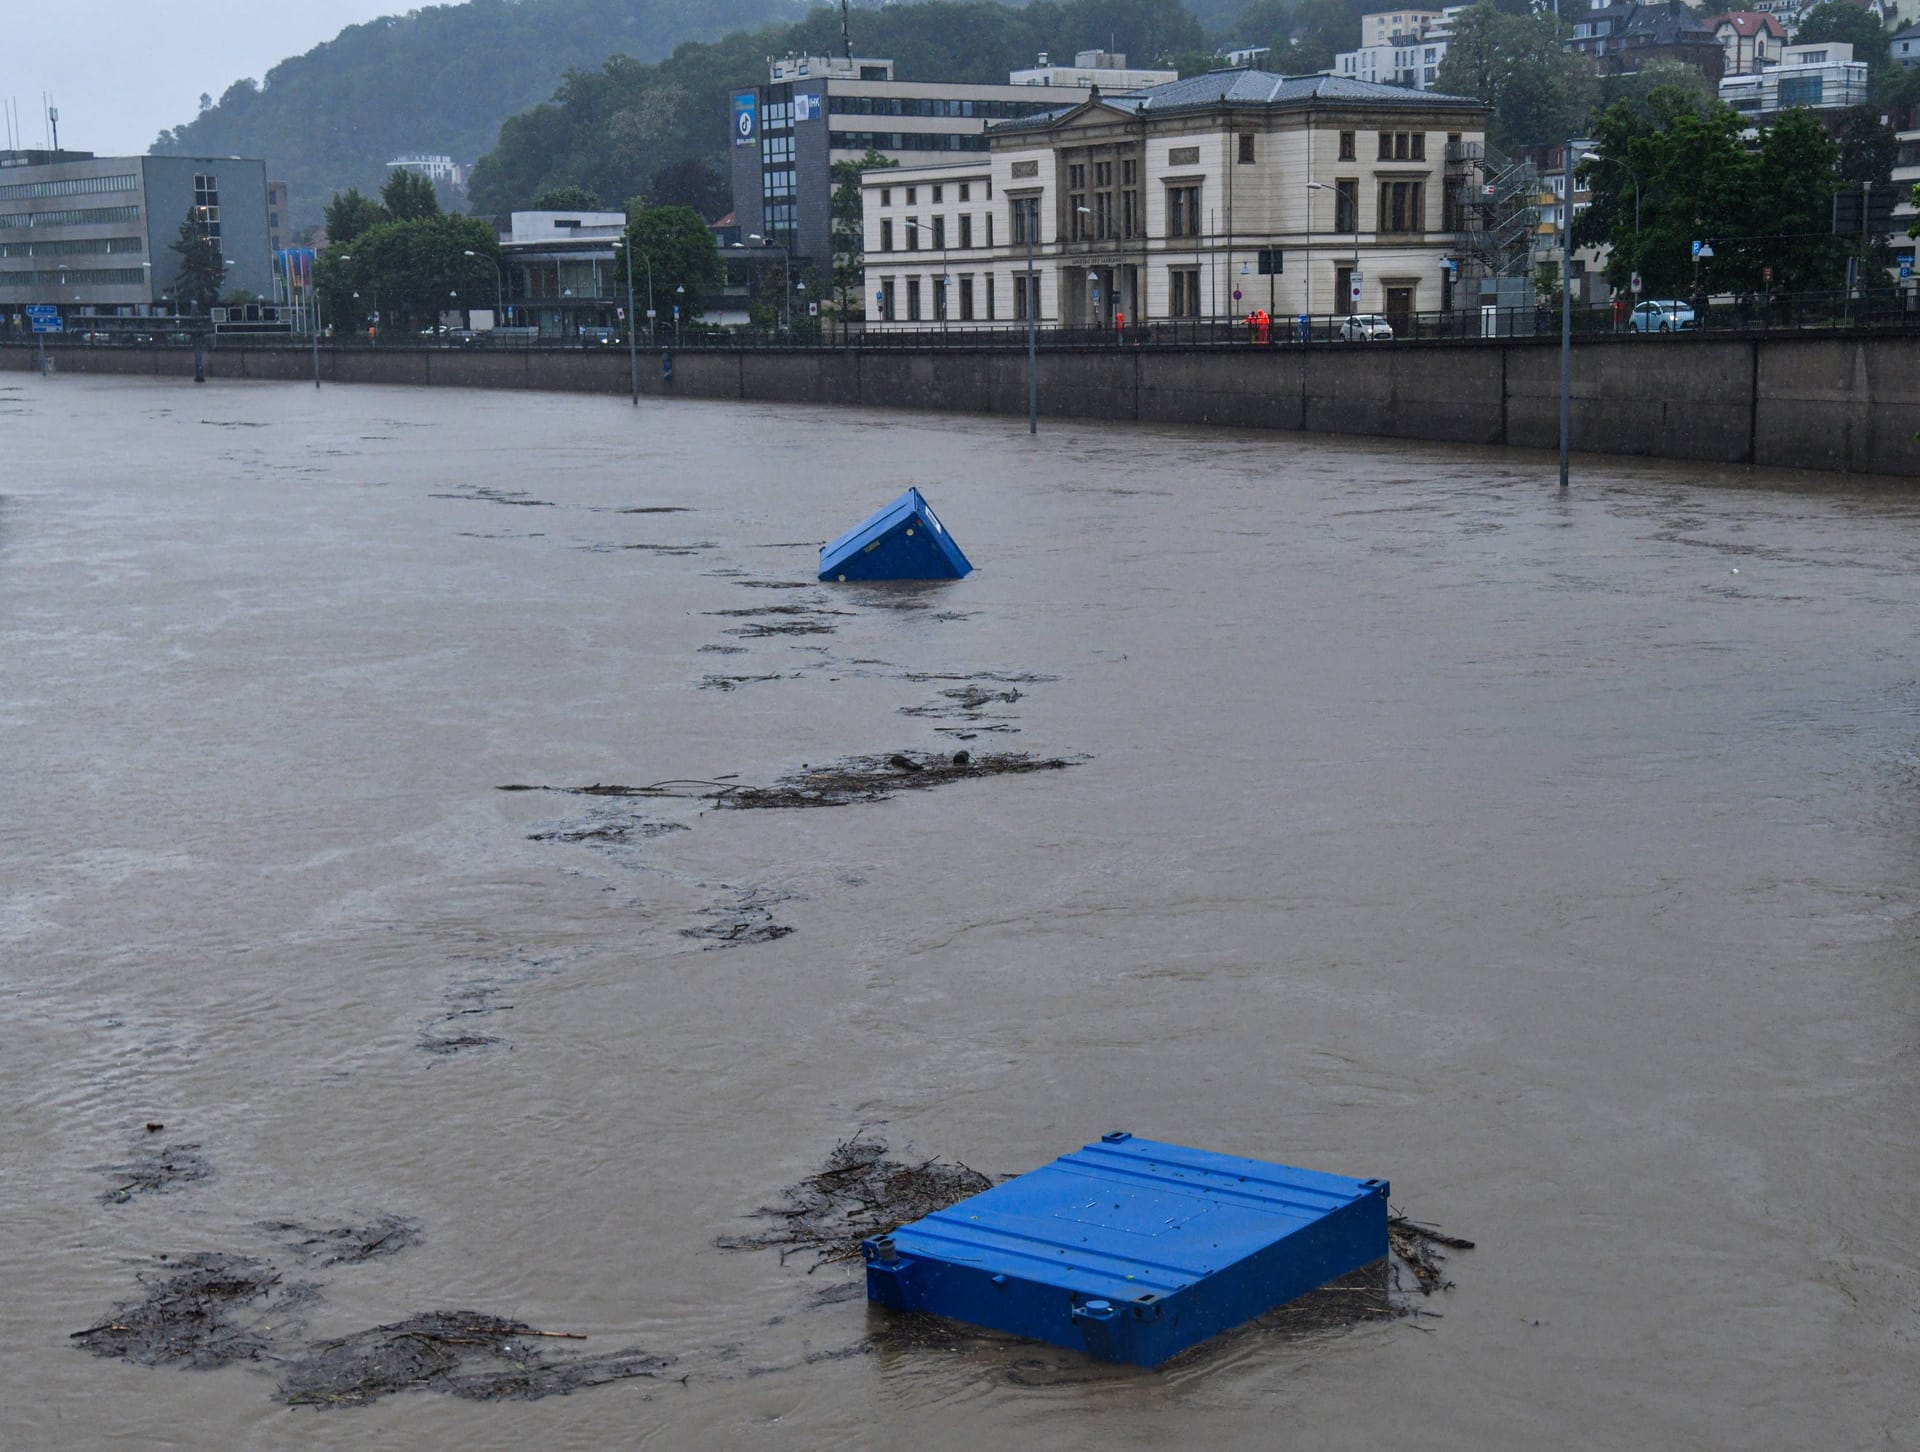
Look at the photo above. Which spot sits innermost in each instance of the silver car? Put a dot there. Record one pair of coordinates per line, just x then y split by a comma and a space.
1366, 328
1669, 316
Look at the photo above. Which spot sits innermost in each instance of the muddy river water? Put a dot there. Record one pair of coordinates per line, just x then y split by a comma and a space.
1555, 859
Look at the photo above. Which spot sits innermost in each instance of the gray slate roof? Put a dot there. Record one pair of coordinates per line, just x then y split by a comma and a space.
1246, 89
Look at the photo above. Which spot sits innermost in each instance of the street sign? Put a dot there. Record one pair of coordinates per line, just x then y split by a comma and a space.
1697, 244
1906, 268
41, 310
1766, 276
1704, 251
45, 318
48, 325
813, 309
1353, 289
1236, 294
1636, 285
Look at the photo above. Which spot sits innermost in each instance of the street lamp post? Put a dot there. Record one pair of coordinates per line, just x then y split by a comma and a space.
1030, 298
499, 288
945, 301
633, 336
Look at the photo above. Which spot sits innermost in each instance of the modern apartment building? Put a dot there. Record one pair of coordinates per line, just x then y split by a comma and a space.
1203, 198
1820, 77
1107, 69
91, 234
1400, 48
816, 110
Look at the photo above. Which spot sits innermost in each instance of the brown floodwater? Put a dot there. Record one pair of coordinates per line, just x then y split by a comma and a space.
1554, 858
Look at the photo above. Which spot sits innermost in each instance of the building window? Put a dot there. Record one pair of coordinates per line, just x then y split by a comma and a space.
1077, 215
1130, 214
939, 194
913, 299
940, 232
1403, 146
1077, 175
886, 196
987, 283
966, 192
1026, 221
940, 285
989, 216
913, 195
1129, 173
886, 299
1183, 292
1246, 147
1343, 289
1183, 211
1346, 204
886, 234
913, 234
966, 299
1402, 207
966, 230
1103, 173
1346, 146
1026, 296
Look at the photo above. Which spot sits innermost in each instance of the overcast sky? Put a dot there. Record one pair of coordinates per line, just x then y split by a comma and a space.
121, 70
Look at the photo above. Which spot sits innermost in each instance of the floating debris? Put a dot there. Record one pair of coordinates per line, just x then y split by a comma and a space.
1421, 1249
733, 683
331, 1245
869, 779
462, 1353
483, 495
853, 779
860, 1192
611, 832
207, 1311
761, 630
747, 919
903, 541
155, 1170
757, 610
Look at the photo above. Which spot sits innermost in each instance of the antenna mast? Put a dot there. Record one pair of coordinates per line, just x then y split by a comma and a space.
846, 35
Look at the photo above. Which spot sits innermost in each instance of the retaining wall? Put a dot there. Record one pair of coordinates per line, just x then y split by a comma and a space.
1815, 401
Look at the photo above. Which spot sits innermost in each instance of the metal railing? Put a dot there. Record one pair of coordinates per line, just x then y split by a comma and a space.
1879, 309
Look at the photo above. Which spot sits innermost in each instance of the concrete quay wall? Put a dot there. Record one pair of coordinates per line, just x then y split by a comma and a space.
1846, 402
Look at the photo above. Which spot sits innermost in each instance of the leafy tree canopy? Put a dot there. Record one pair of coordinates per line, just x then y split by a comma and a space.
1539, 92
411, 270
567, 199
675, 259
1677, 172
618, 127
409, 197
440, 78
202, 271
849, 231
1839, 20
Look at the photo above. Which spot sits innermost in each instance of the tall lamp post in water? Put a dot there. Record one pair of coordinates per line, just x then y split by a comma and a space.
1030, 301
633, 337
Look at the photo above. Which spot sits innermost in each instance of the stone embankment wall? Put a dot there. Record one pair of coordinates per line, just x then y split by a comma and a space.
1848, 402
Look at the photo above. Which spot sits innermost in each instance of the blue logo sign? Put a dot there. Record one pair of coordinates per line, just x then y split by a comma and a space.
1906, 267
746, 117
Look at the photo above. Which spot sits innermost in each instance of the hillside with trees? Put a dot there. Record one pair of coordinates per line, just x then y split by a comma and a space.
617, 129
439, 80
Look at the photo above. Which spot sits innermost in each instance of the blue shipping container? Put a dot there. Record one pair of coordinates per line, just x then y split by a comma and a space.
1131, 1250
904, 541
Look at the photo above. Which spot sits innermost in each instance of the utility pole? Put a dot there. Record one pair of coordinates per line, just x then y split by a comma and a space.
1566, 313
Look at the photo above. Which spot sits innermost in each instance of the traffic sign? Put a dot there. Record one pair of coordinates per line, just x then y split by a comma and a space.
1636, 285
41, 310
1697, 245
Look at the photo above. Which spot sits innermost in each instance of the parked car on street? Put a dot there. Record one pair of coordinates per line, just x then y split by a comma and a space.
1366, 328
1668, 316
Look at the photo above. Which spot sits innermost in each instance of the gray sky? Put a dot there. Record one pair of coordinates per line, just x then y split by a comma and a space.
121, 70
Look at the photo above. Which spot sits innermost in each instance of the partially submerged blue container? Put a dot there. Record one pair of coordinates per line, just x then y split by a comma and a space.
1131, 1250
904, 541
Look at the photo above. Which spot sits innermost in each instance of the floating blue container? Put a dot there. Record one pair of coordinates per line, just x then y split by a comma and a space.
904, 541
1131, 1250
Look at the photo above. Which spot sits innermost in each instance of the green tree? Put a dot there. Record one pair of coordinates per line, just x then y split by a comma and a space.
1839, 20
1690, 176
349, 214
1538, 91
694, 183
418, 268
674, 250
849, 232
409, 197
1636, 88
202, 271
567, 199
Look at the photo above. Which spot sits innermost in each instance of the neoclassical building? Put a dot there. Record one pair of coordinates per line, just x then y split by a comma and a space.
1202, 199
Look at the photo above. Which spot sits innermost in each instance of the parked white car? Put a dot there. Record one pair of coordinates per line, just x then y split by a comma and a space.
1667, 316
1366, 328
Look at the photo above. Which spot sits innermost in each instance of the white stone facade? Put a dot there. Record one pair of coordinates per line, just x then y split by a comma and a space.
1177, 212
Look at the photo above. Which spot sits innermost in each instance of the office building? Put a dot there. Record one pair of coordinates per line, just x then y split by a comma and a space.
816, 110
1820, 77
1201, 199
92, 234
